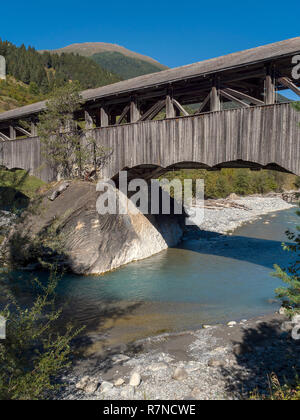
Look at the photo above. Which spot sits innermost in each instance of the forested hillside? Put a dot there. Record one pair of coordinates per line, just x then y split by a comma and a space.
14, 93
125, 67
114, 58
43, 71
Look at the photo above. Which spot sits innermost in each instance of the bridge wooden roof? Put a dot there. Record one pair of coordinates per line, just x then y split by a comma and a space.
265, 53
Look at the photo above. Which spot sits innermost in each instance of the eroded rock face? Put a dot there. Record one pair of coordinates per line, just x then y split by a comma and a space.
91, 243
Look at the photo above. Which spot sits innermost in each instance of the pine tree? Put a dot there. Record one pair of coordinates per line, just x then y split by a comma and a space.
67, 152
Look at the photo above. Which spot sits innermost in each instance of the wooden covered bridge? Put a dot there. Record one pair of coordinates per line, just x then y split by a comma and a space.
223, 112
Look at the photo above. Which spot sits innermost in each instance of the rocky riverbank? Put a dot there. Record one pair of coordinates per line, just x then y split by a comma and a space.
226, 215
216, 362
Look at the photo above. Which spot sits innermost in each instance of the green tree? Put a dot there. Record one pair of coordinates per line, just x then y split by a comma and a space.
242, 183
67, 152
290, 295
61, 144
33, 353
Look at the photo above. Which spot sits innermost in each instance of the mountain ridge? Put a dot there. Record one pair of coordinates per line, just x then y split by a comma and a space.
88, 49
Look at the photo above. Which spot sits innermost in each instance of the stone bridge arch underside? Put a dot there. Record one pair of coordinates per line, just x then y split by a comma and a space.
263, 137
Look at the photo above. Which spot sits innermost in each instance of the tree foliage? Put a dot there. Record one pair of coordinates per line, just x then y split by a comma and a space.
126, 67
290, 295
240, 181
45, 71
33, 353
67, 151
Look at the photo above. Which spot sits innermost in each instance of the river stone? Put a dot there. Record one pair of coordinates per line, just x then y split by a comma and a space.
231, 323
87, 385
117, 358
105, 386
180, 374
83, 383
158, 366
215, 363
91, 387
119, 382
135, 379
220, 350
233, 196
63, 186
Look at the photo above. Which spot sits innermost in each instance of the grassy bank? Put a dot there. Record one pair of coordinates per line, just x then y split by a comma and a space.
17, 188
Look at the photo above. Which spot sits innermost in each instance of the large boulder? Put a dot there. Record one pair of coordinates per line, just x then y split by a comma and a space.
69, 229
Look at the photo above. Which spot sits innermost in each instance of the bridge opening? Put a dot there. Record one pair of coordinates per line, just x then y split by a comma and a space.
239, 177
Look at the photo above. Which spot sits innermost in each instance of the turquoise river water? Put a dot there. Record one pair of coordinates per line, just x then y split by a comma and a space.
206, 280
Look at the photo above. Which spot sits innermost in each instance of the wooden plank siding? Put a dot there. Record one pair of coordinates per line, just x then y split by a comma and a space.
261, 135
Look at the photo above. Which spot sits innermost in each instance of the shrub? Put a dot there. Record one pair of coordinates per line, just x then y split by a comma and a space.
290, 295
33, 353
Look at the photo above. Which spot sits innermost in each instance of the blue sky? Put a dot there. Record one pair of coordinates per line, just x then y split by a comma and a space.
175, 33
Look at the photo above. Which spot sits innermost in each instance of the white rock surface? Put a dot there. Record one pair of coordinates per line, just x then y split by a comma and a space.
119, 382
105, 386
135, 379
180, 374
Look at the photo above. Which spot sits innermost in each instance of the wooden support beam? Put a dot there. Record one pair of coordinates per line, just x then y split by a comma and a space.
154, 110
242, 95
4, 137
123, 115
203, 105
285, 81
234, 99
170, 111
180, 108
269, 88
33, 129
135, 113
88, 120
104, 117
215, 103
23, 131
12, 132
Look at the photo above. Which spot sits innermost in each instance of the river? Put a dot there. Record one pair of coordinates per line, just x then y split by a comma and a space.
206, 280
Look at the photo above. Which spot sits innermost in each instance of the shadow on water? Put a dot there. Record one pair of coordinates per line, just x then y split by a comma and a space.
267, 350
96, 333
253, 250
96, 336
259, 242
